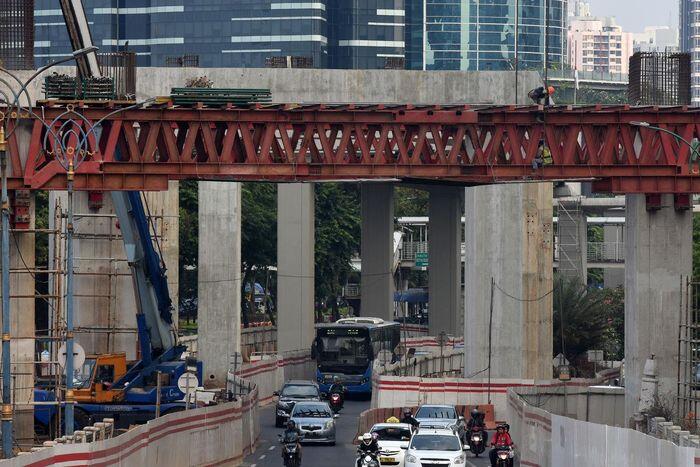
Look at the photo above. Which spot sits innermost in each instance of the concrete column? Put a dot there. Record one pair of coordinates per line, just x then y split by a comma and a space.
658, 251
377, 245
614, 235
219, 279
445, 260
573, 243
508, 236
295, 266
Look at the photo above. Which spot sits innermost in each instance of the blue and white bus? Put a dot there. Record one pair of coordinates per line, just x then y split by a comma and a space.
348, 349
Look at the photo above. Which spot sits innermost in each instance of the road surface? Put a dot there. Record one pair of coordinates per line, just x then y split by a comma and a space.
341, 455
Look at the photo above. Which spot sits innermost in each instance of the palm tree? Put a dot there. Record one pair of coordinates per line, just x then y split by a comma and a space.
585, 318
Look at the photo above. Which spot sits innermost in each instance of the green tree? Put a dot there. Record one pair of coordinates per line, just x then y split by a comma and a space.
188, 256
614, 338
696, 247
585, 318
410, 202
337, 240
258, 238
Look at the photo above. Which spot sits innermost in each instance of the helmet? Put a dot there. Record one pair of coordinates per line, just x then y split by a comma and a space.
291, 424
336, 379
475, 412
407, 411
501, 427
506, 427
392, 420
367, 438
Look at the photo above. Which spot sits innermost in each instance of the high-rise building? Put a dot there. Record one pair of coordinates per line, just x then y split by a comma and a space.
690, 41
236, 33
597, 44
481, 34
16, 34
656, 39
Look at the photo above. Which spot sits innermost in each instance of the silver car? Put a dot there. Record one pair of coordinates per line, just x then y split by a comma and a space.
316, 422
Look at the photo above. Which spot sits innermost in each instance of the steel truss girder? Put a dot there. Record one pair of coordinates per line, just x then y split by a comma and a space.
142, 149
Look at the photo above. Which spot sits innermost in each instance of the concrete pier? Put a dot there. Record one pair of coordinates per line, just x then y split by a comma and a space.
445, 261
295, 266
658, 251
377, 245
508, 235
219, 278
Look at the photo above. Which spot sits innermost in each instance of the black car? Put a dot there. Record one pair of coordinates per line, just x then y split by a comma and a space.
292, 392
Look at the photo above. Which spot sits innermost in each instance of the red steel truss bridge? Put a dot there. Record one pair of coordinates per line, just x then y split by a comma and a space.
144, 148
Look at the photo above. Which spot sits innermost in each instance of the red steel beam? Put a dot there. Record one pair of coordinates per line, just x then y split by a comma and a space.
144, 148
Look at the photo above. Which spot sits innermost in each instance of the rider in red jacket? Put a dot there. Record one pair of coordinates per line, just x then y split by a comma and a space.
502, 438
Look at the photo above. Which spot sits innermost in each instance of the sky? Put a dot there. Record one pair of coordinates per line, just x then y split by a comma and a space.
634, 15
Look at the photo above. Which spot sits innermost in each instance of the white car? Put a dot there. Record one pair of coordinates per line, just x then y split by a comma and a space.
393, 440
436, 447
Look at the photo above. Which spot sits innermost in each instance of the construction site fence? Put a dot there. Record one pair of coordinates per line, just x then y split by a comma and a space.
270, 373
216, 435
262, 339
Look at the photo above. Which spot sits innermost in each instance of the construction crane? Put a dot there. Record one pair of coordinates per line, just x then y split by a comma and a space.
109, 386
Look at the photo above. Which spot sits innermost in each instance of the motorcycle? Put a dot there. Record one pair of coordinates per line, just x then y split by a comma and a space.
476, 441
336, 402
367, 460
504, 456
290, 451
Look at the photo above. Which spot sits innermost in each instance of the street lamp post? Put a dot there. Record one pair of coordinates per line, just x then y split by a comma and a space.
678, 137
12, 101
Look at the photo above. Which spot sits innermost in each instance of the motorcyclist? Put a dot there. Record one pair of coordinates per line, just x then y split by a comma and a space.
409, 418
337, 386
368, 445
500, 439
477, 421
292, 432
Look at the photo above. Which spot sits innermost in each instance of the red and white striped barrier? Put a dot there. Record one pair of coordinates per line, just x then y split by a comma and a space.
217, 435
270, 374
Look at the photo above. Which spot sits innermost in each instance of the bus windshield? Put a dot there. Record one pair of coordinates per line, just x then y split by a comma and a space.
338, 352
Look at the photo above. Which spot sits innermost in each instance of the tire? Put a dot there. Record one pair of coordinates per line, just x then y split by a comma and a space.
81, 418
279, 423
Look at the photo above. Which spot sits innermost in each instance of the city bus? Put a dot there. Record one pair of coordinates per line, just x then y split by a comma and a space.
349, 349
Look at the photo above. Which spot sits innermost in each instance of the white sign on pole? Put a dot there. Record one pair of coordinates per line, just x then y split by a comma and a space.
78, 356
187, 383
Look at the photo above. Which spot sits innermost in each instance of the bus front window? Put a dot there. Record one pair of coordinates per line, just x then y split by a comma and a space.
344, 351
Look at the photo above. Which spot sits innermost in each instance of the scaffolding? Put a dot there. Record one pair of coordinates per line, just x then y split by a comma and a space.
568, 240
689, 355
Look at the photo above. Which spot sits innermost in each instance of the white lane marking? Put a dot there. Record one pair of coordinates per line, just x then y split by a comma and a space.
271, 448
262, 457
254, 465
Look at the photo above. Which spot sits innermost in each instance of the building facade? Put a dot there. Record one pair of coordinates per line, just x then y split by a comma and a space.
485, 34
656, 39
235, 33
597, 44
16, 34
689, 23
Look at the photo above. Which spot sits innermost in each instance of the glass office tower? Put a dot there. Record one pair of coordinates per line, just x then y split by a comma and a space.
235, 33
481, 34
